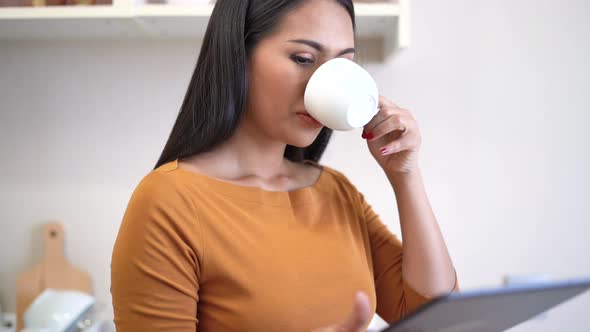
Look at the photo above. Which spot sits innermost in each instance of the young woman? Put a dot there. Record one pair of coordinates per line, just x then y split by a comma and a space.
238, 228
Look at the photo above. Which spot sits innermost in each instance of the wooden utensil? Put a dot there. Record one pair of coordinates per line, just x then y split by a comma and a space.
54, 271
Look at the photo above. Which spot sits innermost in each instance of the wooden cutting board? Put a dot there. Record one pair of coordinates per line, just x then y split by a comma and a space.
53, 271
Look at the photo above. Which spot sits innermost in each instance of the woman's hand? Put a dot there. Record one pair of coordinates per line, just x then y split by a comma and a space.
357, 321
393, 138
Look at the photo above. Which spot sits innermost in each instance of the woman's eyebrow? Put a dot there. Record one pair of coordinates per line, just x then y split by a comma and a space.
319, 46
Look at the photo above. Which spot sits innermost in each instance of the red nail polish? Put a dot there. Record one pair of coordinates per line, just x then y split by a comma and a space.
363, 135
369, 136
383, 150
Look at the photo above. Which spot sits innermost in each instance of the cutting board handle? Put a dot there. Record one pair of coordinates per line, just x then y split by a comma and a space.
52, 272
53, 236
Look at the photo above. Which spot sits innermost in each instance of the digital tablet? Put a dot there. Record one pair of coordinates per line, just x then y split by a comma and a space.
489, 310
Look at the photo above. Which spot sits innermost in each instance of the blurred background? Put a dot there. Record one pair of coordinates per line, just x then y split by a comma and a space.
500, 89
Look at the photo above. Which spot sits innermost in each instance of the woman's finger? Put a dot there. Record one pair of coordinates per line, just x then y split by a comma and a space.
383, 114
360, 316
393, 123
403, 143
386, 109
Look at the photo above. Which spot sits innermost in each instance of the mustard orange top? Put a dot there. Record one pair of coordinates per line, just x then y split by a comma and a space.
195, 253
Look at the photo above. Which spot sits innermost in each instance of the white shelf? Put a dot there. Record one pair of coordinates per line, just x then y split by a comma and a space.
386, 21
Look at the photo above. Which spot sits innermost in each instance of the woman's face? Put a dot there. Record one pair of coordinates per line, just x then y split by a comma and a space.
282, 63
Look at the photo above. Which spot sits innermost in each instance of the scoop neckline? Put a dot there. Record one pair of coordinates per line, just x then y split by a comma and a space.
252, 193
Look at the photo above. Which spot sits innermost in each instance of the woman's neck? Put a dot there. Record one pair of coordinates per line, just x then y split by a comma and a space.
246, 155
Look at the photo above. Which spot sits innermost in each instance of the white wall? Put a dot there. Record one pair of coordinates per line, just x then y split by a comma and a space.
501, 90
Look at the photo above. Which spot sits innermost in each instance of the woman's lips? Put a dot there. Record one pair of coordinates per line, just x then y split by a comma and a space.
308, 120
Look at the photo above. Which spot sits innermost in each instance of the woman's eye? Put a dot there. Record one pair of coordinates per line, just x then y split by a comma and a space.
301, 60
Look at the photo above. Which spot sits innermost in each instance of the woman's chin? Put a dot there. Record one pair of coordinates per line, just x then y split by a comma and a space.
303, 141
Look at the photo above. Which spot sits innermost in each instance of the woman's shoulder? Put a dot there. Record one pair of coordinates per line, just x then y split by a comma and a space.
161, 183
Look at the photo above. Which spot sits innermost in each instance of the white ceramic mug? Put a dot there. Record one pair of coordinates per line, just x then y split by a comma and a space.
341, 95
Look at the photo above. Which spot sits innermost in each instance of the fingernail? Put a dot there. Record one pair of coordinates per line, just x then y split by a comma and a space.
369, 136
383, 150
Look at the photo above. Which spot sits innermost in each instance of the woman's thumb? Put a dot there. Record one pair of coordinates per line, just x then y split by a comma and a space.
360, 316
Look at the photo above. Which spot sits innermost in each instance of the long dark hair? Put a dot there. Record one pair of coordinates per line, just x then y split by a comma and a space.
216, 95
